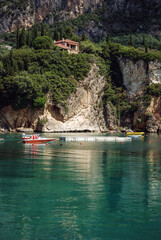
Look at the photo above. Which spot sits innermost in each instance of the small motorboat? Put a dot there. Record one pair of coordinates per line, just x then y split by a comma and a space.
135, 133
1, 139
136, 136
36, 139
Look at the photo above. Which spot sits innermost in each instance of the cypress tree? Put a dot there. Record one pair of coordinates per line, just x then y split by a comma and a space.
18, 37
28, 38
34, 33
61, 33
144, 40
23, 37
108, 40
69, 32
84, 37
10, 69
131, 43
42, 29
146, 48
56, 35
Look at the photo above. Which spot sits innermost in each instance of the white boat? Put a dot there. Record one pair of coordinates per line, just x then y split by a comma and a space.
36, 139
1, 139
136, 136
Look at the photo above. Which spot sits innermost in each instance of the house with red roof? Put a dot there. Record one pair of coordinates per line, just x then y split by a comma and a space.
68, 45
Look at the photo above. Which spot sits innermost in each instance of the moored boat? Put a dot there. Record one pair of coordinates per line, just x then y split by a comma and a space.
1, 139
135, 133
36, 139
136, 136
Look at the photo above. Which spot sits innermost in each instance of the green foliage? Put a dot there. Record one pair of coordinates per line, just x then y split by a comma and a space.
117, 50
90, 48
28, 75
28, 38
17, 38
108, 40
43, 42
22, 39
139, 40
84, 37
20, 89
39, 102
61, 88
154, 90
43, 121
18, 60
42, 29
109, 94
34, 32
131, 43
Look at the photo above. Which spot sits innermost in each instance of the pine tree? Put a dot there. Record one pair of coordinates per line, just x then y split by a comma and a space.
131, 43
42, 29
18, 37
23, 37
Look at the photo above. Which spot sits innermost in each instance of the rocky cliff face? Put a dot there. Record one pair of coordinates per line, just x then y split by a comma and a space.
117, 14
138, 75
83, 110
31, 11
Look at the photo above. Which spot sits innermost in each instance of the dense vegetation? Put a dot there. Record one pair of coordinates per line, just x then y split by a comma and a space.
28, 75
37, 67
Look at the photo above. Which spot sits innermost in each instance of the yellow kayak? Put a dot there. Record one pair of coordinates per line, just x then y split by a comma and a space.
135, 133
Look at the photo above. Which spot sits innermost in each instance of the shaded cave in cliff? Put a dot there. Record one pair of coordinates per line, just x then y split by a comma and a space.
56, 113
116, 73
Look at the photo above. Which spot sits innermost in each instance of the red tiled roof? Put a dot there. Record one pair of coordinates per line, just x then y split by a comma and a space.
62, 46
68, 41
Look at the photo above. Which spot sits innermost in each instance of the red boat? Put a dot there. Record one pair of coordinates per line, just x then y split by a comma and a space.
36, 139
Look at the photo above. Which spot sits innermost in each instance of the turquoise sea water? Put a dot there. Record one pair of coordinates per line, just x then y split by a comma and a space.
69, 190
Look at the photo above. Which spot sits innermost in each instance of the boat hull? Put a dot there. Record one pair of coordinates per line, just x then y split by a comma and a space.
135, 133
36, 141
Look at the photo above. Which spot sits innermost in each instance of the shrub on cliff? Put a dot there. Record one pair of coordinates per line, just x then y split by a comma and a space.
40, 101
154, 90
89, 47
42, 42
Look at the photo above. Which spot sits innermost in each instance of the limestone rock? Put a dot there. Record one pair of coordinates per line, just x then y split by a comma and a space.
24, 130
111, 119
83, 111
138, 75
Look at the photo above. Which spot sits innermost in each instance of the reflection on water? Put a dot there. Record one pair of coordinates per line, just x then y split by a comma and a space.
81, 191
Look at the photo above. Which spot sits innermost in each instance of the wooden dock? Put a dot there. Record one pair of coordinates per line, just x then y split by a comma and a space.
95, 139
